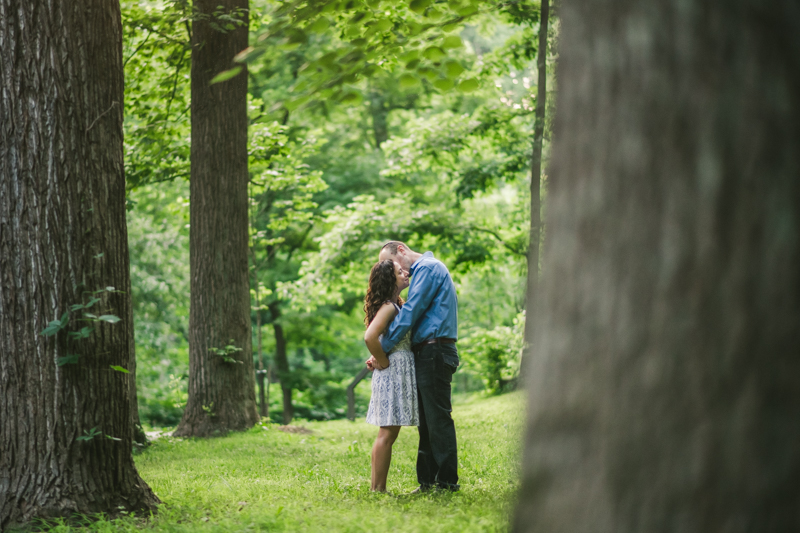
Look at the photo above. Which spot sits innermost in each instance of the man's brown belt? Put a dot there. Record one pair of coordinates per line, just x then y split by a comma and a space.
439, 340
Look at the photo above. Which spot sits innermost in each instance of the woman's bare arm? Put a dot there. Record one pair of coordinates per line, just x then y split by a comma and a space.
383, 318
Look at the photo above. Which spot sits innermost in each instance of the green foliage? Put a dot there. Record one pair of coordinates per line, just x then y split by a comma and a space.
157, 60
268, 480
158, 239
367, 39
89, 434
227, 352
73, 336
494, 354
368, 121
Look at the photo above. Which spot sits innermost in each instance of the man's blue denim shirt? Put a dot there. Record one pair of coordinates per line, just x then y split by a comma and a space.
432, 307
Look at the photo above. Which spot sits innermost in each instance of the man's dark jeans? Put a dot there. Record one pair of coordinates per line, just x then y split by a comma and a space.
437, 458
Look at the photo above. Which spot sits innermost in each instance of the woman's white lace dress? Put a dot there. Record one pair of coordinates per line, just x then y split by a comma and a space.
394, 389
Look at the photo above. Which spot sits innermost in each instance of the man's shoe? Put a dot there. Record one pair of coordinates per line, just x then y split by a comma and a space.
422, 489
448, 487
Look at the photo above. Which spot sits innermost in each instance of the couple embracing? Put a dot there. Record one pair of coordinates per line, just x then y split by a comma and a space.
414, 357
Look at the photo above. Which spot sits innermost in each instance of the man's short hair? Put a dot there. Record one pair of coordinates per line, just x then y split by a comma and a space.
392, 246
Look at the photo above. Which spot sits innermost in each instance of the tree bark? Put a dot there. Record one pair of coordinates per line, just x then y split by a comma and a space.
63, 239
536, 170
221, 394
282, 362
665, 387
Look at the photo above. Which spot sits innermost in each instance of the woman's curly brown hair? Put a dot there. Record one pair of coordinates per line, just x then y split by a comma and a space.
382, 284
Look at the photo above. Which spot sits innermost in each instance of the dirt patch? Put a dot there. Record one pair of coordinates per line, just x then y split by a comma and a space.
295, 429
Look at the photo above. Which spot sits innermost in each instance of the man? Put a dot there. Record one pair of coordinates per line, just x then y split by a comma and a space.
431, 313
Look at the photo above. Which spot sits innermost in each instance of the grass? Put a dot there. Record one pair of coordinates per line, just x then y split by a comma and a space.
268, 480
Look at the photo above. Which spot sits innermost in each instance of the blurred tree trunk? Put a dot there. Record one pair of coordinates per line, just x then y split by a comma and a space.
282, 362
379, 112
221, 394
536, 169
665, 387
62, 238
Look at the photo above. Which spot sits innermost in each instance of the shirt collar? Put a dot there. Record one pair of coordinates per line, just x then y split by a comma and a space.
414, 266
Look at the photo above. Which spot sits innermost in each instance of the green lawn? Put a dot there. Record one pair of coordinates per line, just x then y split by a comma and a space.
268, 480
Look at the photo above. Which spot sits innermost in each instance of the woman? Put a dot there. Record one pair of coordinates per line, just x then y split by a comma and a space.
394, 385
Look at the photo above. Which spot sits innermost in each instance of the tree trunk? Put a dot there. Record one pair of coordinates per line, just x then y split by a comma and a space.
282, 362
536, 169
63, 240
665, 387
378, 112
221, 392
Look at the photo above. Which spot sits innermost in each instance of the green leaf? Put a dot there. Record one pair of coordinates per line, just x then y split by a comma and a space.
433, 14
428, 73
351, 97
414, 28
383, 25
352, 57
320, 25
409, 55
408, 81
294, 103
434, 53
111, 319
51, 329
225, 75
119, 369
468, 85
444, 84
69, 359
89, 435
452, 41
297, 36
453, 69
418, 6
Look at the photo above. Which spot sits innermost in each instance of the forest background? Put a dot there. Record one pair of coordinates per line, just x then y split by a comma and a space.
437, 157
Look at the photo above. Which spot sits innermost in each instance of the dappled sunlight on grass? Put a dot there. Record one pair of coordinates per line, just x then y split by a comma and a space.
268, 480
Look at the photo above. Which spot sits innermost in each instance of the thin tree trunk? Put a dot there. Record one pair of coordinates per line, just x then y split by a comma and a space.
63, 239
536, 172
282, 362
264, 411
378, 112
665, 386
221, 394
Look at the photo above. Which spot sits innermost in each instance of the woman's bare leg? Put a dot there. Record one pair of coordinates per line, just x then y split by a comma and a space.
382, 456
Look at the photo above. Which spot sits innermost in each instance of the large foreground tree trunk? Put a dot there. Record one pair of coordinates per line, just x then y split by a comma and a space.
63, 240
665, 387
221, 386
